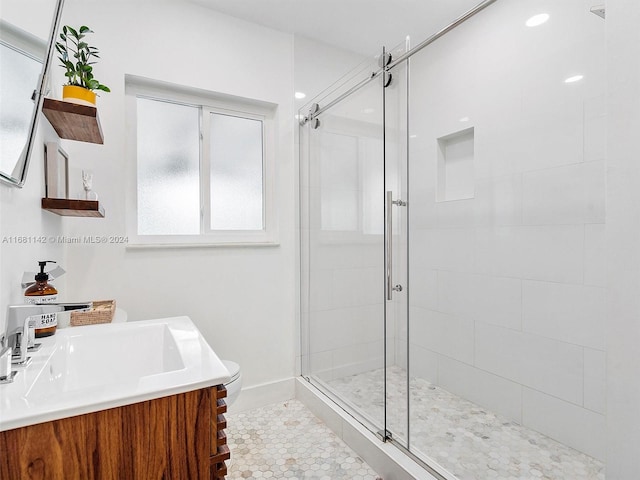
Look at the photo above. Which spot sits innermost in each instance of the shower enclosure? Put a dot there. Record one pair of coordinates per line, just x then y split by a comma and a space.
452, 229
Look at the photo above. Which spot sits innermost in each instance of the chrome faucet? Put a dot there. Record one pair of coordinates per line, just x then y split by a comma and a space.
20, 330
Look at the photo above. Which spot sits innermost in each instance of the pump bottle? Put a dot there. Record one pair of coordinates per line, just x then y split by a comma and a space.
43, 292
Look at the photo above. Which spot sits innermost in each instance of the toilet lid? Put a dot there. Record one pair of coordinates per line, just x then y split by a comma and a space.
234, 369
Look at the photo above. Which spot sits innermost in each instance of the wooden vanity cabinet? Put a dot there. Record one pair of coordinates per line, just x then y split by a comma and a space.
177, 437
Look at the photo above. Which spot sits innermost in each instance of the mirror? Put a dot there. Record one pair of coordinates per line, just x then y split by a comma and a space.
26, 49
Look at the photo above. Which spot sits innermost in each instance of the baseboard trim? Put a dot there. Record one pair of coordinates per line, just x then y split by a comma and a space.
257, 396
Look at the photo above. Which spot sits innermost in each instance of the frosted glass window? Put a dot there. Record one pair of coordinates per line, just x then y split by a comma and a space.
18, 79
168, 140
236, 173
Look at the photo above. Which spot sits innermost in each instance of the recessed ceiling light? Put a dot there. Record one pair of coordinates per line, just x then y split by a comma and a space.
368, 110
575, 78
537, 20
300, 95
413, 136
464, 119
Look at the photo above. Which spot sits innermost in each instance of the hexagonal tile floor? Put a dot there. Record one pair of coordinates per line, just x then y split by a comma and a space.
286, 440
471, 442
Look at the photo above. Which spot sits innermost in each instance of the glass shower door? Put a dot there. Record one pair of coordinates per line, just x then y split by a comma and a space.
343, 252
396, 216
355, 248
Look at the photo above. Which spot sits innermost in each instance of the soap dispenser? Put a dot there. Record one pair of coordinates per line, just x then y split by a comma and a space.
43, 292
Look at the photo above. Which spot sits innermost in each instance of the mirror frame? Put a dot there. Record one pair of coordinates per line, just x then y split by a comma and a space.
22, 163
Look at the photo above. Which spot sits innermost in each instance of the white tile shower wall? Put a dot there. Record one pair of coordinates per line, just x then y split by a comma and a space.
579, 428
484, 298
498, 201
507, 297
595, 128
623, 240
553, 253
594, 255
478, 386
445, 334
595, 380
564, 195
566, 312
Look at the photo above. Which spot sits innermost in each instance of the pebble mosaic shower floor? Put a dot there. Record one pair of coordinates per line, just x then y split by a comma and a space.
469, 441
286, 440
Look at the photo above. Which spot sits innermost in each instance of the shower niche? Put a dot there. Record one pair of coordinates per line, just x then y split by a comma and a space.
456, 175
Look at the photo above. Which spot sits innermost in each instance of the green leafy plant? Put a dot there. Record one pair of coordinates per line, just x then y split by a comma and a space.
76, 56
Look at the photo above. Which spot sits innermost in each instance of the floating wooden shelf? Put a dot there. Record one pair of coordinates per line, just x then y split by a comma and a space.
72, 121
73, 208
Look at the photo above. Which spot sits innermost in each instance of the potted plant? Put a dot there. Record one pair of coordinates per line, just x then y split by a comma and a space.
77, 57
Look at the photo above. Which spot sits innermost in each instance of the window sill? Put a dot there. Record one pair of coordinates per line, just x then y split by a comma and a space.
147, 246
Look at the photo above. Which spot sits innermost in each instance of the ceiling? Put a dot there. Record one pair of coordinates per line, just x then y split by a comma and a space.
361, 26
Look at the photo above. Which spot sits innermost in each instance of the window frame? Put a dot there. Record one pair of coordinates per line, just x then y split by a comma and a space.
205, 174
207, 102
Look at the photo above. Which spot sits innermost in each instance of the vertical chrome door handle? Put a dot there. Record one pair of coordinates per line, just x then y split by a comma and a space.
389, 231
389, 243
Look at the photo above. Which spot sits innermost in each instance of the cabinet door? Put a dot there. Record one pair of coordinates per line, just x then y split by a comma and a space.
163, 438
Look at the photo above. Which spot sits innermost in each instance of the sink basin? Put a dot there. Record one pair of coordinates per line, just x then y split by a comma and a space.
83, 361
90, 368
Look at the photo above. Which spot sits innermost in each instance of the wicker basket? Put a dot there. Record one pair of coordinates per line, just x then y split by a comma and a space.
102, 312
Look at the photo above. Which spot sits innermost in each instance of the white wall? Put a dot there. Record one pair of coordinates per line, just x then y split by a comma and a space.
317, 66
23, 224
507, 289
623, 240
242, 299
26, 230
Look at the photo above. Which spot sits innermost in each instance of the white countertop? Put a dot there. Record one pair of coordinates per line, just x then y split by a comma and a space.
90, 368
